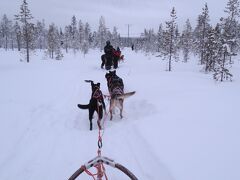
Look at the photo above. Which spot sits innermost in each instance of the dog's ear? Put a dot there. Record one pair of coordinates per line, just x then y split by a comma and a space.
106, 75
112, 72
98, 85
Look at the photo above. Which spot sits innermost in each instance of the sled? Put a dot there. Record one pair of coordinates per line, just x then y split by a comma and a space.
99, 160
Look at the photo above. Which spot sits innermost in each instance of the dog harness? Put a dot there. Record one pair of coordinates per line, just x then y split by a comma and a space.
97, 95
117, 91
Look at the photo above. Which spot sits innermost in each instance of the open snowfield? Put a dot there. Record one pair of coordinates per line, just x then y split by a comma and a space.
180, 125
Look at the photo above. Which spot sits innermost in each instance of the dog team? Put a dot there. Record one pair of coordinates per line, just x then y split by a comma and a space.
111, 57
116, 94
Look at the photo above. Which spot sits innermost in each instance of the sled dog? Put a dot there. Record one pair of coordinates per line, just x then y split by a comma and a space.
96, 103
116, 91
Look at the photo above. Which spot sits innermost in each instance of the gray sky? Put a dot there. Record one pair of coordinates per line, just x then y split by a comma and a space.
139, 14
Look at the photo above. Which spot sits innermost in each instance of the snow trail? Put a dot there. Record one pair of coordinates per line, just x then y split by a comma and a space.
179, 125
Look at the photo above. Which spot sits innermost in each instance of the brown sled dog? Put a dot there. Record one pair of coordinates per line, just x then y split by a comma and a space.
116, 90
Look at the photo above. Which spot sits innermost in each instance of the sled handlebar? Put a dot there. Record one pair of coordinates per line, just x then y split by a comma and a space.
105, 160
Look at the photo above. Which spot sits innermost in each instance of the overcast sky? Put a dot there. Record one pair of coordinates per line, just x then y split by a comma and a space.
139, 14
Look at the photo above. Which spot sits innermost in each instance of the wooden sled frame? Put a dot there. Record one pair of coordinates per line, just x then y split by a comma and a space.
105, 160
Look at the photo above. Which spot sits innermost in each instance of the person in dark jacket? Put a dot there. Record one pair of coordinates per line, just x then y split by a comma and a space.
108, 50
132, 47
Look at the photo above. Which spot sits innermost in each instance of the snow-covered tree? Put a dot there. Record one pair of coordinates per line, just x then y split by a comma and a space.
159, 40
12, 38
54, 43
61, 37
170, 48
212, 47
27, 28
86, 43
87, 31
94, 39
102, 33
81, 32
238, 37
221, 70
18, 35
67, 38
230, 25
58, 52
115, 37
187, 41
52, 40
200, 33
40, 35
74, 35
85, 47
149, 41
5, 29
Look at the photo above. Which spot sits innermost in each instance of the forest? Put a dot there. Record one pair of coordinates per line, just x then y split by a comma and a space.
214, 44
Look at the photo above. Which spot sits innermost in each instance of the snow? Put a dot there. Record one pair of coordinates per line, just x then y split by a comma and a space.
180, 125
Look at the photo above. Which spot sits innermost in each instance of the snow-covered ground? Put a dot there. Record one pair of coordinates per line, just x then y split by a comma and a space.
180, 125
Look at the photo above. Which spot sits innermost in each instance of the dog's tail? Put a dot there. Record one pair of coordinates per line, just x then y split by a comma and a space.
81, 106
126, 95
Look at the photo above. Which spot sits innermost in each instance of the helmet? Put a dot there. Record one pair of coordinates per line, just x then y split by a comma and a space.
108, 42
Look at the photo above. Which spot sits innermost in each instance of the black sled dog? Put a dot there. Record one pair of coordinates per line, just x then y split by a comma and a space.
116, 91
96, 103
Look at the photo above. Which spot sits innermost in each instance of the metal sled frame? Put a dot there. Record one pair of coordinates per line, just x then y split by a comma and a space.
104, 160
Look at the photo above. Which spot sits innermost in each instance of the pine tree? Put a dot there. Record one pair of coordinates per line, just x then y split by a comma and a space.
150, 41
115, 37
170, 49
221, 71
40, 35
58, 51
51, 40
230, 25
27, 28
186, 41
81, 32
212, 47
87, 32
102, 33
238, 37
6, 26
61, 37
94, 38
18, 35
74, 35
54, 42
85, 47
12, 37
200, 33
159, 41
67, 38
86, 42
